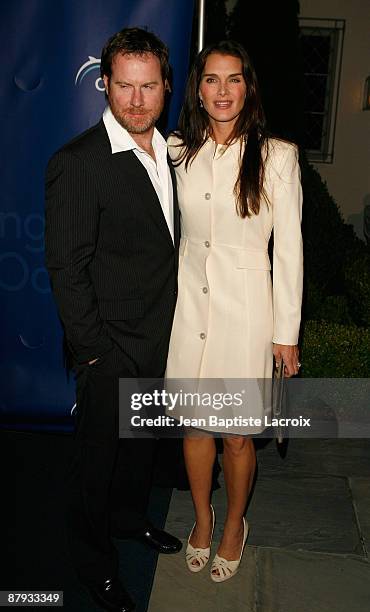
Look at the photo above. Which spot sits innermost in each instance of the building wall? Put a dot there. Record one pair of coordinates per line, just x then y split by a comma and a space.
348, 177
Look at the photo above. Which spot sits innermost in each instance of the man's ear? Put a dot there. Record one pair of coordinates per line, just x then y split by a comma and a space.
167, 86
106, 83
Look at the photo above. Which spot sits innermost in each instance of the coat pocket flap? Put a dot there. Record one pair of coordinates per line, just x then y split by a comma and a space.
119, 310
253, 260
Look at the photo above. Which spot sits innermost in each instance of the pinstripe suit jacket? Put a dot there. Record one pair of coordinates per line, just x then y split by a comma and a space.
109, 254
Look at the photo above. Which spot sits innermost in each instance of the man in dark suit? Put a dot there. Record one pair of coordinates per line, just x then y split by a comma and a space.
112, 233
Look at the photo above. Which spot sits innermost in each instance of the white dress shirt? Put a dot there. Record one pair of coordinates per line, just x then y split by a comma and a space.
159, 172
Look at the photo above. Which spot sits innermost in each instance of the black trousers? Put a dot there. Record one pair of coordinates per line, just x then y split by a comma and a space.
109, 479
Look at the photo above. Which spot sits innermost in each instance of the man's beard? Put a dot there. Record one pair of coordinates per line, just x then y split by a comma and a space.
134, 127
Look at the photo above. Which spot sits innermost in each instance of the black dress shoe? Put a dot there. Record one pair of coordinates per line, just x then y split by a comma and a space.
111, 595
161, 541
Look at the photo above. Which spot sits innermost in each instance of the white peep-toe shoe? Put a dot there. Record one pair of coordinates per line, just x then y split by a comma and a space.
227, 569
201, 555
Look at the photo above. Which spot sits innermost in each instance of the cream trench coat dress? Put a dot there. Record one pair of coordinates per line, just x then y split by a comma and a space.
228, 314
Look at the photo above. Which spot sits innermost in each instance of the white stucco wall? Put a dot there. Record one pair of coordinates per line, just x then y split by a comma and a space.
348, 177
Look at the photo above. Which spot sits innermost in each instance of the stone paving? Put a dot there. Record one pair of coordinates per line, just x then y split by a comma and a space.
309, 543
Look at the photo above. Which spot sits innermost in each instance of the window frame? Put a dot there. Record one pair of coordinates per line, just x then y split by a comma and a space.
337, 29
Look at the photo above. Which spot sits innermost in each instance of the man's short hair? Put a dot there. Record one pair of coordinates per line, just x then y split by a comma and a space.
137, 42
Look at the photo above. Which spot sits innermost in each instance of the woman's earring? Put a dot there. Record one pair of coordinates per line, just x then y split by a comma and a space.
200, 102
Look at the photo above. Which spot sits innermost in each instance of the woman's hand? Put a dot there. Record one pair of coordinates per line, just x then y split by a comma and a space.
290, 356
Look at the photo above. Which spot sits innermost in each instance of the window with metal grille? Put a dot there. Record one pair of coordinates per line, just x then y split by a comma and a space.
321, 45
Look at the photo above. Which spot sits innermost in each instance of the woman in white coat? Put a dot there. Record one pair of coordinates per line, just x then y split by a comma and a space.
235, 186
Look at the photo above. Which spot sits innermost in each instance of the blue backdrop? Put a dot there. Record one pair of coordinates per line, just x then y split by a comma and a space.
51, 91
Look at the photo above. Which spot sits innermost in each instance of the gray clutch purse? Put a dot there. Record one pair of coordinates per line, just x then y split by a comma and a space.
278, 400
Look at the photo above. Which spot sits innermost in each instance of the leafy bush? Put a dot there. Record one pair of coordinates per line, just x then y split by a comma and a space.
357, 282
326, 237
335, 308
330, 350
337, 263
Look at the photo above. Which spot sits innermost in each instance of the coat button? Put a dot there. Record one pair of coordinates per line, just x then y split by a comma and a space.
207, 196
205, 289
207, 244
202, 336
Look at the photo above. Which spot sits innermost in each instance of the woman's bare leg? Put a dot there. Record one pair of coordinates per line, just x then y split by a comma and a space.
200, 453
239, 465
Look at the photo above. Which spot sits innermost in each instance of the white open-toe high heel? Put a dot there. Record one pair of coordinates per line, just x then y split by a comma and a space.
199, 555
227, 569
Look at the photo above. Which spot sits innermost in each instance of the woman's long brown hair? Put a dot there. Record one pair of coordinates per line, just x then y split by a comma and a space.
195, 129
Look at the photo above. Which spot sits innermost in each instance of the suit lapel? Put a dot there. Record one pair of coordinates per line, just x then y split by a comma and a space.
176, 212
127, 162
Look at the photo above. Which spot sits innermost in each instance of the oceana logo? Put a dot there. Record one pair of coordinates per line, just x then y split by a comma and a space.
91, 65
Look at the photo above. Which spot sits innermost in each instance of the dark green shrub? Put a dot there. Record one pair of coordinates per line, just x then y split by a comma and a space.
335, 309
357, 281
330, 350
326, 237
335, 259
